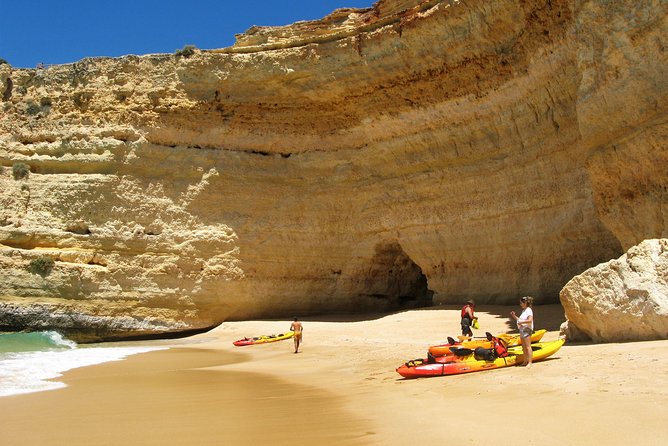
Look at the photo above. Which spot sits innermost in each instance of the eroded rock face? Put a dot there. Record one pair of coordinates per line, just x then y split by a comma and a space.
375, 159
621, 300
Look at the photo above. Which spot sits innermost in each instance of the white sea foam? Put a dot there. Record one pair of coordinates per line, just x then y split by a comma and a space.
32, 371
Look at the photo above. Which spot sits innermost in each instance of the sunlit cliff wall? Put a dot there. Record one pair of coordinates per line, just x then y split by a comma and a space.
374, 160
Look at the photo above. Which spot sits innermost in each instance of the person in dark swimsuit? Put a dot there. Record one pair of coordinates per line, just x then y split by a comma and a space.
468, 317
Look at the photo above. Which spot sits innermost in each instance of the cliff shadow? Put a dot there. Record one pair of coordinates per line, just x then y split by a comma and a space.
548, 317
391, 282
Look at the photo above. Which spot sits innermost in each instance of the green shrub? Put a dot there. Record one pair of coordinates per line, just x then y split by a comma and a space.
3, 62
186, 51
41, 265
20, 171
33, 109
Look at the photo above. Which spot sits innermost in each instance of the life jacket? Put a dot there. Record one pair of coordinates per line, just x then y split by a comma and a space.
499, 347
464, 313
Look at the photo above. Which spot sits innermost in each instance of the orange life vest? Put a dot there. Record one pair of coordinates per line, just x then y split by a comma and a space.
499, 347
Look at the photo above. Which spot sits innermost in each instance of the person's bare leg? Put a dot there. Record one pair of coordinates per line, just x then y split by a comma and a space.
526, 349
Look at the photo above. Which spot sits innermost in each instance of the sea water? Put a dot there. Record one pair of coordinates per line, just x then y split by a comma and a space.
30, 361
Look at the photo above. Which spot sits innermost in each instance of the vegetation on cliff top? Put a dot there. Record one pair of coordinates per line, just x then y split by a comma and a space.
186, 51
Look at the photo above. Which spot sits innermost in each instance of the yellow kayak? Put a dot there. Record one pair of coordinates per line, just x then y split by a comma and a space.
264, 339
514, 339
540, 350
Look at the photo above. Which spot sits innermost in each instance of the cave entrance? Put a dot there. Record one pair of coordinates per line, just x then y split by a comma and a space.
394, 281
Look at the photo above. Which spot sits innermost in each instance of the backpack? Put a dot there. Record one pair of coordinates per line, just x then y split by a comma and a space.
498, 350
460, 351
486, 354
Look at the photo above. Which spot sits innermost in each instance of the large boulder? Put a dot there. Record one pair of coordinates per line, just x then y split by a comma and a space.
622, 300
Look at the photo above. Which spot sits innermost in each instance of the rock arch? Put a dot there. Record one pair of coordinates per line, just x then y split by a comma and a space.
393, 281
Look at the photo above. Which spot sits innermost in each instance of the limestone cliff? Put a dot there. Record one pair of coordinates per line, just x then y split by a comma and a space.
375, 159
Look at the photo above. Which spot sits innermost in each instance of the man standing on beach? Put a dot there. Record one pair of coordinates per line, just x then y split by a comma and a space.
297, 328
468, 316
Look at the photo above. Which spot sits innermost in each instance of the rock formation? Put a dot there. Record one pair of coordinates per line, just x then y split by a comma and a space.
621, 300
380, 158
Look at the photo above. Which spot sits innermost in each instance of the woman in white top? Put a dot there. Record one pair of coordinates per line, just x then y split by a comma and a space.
525, 326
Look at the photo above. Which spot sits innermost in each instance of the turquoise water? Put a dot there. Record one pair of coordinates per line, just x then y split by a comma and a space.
33, 342
29, 362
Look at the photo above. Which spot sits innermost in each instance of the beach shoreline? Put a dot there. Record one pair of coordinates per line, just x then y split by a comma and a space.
342, 388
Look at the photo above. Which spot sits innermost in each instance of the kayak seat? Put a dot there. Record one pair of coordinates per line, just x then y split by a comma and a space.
415, 362
461, 351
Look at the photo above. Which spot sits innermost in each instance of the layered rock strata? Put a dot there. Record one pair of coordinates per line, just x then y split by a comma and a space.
625, 299
408, 153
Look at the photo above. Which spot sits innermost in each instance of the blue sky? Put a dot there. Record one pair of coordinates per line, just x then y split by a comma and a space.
64, 31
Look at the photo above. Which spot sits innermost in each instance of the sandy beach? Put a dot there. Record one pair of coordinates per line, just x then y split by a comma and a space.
342, 389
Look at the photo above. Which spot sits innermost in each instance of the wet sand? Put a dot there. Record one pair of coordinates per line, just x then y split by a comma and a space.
342, 389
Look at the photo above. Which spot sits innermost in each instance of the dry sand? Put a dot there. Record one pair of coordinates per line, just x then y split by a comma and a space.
343, 389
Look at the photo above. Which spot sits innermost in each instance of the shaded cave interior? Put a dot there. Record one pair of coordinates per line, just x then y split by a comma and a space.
394, 281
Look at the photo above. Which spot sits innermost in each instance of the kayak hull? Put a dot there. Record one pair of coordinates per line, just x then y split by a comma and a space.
453, 368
